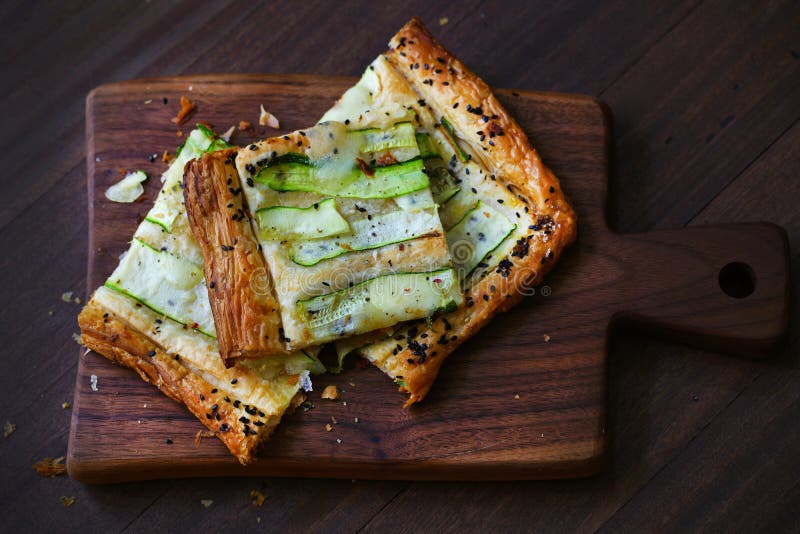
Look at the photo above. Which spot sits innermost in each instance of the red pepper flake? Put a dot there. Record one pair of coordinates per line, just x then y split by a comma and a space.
402, 247
187, 108
365, 168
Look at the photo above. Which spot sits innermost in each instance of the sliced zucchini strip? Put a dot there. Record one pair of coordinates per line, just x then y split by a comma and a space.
169, 203
427, 150
372, 140
287, 222
443, 185
369, 233
382, 182
165, 283
477, 234
381, 302
450, 134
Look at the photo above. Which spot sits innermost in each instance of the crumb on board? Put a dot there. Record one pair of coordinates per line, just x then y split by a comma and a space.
330, 392
516, 396
51, 467
328, 427
8, 429
206, 502
245, 126
67, 501
268, 119
339, 441
334, 421
228, 134
546, 338
166, 157
50, 313
65, 405
355, 419
187, 108
93, 382
443, 21
203, 434
352, 384
257, 498
179, 133
77, 338
66, 296
148, 101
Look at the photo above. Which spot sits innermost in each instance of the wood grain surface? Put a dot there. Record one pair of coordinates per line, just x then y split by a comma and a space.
525, 399
706, 99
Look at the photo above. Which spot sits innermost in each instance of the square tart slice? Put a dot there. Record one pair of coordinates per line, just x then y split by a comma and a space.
346, 222
153, 315
507, 220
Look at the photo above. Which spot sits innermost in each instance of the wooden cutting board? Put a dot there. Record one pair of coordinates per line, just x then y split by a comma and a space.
524, 399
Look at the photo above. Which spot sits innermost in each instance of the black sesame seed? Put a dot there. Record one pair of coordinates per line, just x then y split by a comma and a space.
169, 441
233, 381
151, 353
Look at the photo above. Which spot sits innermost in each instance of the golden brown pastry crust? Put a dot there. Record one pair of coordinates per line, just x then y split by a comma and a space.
495, 140
107, 334
244, 306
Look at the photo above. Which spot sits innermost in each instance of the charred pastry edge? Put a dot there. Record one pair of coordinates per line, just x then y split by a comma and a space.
105, 333
452, 91
247, 322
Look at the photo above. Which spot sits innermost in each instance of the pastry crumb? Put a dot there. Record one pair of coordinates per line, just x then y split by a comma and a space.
179, 133
51, 467
77, 339
328, 427
257, 498
245, 126
355, 419
443, 21
67, 501
339, 441
268, 119
203, 434
546, 338
93, 382
187, 108
206, 502
228, 134
330, 392
76, 300
516, 396
8, 429
334, 421
67, 296
65, 405
166, 157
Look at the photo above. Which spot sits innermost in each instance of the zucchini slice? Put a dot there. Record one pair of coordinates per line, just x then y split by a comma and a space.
370, 233
385, 182
287, 222
427, 150
372, 140
450, 133
478, 233
165, 283
416, 201
381, 302
443, 184
169, 203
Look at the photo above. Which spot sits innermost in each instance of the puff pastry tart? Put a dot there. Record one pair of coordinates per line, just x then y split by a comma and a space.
506, 218
153, 315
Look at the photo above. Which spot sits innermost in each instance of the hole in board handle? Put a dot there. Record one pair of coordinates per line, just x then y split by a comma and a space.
737, 280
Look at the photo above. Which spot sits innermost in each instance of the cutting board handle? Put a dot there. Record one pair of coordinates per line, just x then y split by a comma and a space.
725, 288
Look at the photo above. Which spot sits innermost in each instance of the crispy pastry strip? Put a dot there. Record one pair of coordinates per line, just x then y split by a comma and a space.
244, 306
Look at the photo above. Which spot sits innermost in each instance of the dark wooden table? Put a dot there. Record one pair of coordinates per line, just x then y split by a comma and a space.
706, 98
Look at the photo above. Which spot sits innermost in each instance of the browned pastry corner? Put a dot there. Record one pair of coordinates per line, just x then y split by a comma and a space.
109, 335
495, 141
244, 306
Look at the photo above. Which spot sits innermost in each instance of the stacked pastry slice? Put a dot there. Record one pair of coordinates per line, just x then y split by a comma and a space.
153, 315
